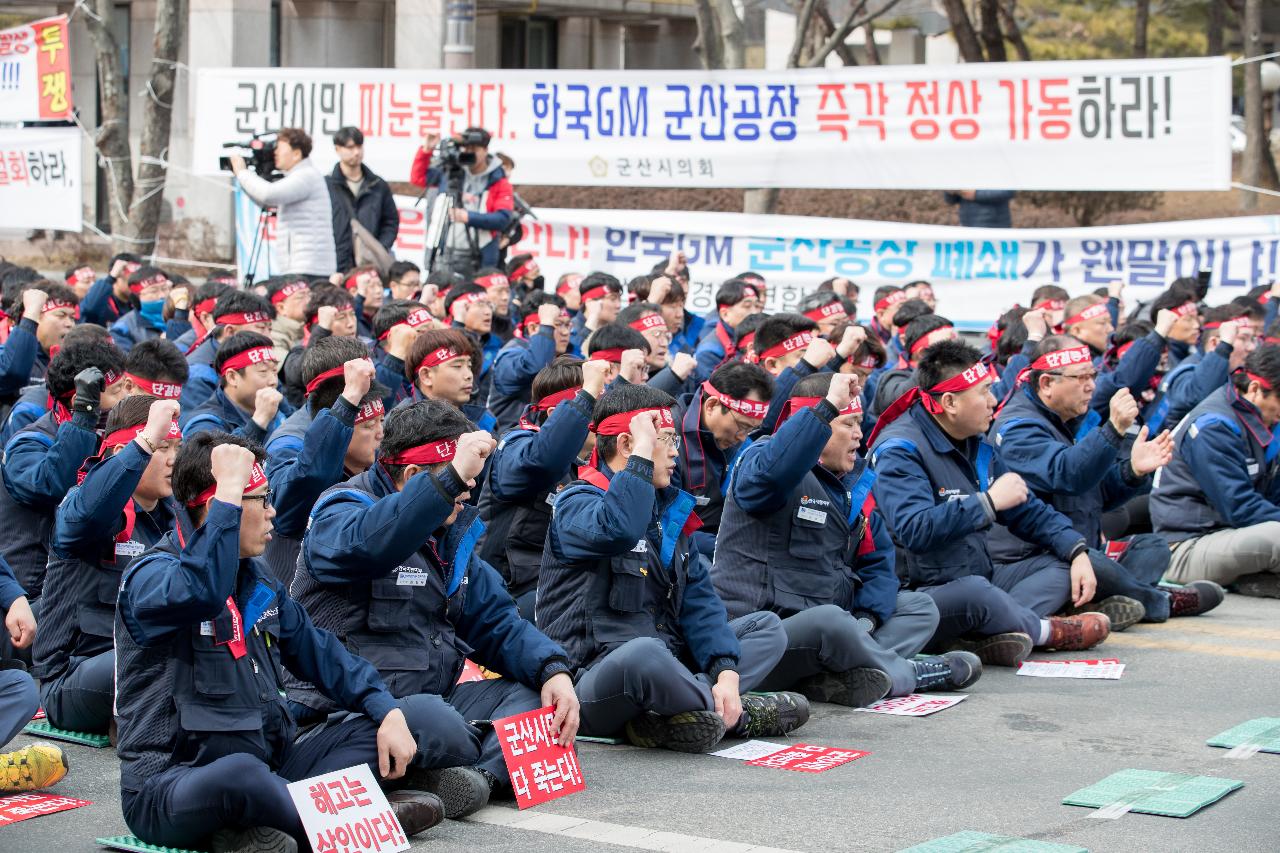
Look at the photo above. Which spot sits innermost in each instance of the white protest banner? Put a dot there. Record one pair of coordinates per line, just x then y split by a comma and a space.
915, 705
1132, 124
40, 178
346, 810
35, 71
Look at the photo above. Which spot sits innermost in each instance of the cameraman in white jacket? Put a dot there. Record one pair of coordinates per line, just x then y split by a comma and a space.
304, 219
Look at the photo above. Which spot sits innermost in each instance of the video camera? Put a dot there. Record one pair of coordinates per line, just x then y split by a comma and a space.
450, 152
259, 154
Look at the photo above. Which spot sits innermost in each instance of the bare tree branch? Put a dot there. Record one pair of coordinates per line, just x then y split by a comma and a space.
802, 33
1013, 32
991, 35
1141, 15
962, 31
873, 49
732, 34
828, 26
708, 42
851, 23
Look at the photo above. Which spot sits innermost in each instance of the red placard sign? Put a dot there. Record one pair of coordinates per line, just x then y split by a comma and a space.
808, 758
26, 806
540, 768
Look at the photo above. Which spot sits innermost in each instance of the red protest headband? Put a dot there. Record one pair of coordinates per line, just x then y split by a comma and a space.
522, 269
79, 273
1091, 313
552, 400
568, 284
532, 321
424, 454
647, 322
790, 345
831, 309
288, 290
620, 423
491, 280
370, 410
891, 299
962, 381
439, 356
111, 378
1186, 308
248, 358
795, 404
1062, 358
329, 374
1262, 383
472, 296
597, 292
55, 304
205, 306
1049, 305
419, 317
747, 408
613, 356
946, 333
242, 318
148, 282
257, 479
121, 437
163, 390
357, 277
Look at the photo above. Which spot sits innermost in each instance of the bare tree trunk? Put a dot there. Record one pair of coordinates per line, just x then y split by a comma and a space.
1259, 168
112, 137
157, 112
1012, 31
873, 50
760, 201
828, 27
733, 37
1141, 14
851, 22
708, 42
963, 32
989, 12
801, 39
1217, 22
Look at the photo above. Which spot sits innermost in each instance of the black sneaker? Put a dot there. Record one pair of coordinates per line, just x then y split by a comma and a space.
691, 731
856, 688
463, 790
950, 671
1195, 598
1008, 649
771, 714
257, 839
1123, 611
1258, 585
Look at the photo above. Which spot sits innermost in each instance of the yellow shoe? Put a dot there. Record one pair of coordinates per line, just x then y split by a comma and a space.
31, 768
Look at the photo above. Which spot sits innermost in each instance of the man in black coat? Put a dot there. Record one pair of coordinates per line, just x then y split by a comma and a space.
358, 193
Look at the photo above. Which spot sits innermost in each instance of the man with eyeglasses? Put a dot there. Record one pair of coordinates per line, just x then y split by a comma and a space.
542, 335
735, 301
714, 422
941, 486
601, 300
1083, 476
654, 653
667, 372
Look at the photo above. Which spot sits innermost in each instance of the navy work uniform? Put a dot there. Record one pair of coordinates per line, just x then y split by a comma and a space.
514, 368
19, 700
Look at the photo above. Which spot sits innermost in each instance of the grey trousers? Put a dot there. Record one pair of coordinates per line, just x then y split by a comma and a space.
829, 639
1225, 555
642, 675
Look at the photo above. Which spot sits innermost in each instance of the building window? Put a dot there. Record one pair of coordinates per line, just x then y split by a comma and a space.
273, 49
528, 43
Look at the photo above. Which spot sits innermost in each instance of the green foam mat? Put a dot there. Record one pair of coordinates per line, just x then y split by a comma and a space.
1264, 733
1153, 792
612, 741
982, 842
43, 729
131, 842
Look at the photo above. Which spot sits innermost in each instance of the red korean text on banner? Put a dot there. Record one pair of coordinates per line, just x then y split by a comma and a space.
540, 768
808, 758
53, 67
26, 806
346, 812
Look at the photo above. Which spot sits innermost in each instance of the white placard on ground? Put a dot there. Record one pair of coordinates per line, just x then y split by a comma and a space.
346, 810
916, 704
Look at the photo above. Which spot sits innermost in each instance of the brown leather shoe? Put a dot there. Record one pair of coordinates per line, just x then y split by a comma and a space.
417, 811
1076, 633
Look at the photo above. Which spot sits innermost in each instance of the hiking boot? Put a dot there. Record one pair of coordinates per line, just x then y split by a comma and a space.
1258, 585
1008, 649
691, 731
1195, 598
771, 714
256, 839
856, 688
950, 671
1076, 633
31, 768
417, 811
462, 790
1121, 610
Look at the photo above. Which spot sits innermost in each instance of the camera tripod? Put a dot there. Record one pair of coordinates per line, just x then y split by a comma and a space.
265, 214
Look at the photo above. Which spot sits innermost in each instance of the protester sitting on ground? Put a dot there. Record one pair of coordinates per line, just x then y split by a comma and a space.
47, 314
364, 283
497, 287
442, 366
787, 348
920, 334
109, 298
200, 314
122, 506
600, 300
149, 287
469, 311
684, 326
235, 311
388, 565
395, 327
207, 742
332, 436
827, 310
246, 402
404, 280
885, 304
668, 372
1227, 339
625, 350
654, 652
735, 300
800, 537
544, 335
941, 486
41, 460
38, 765
1218, 501
289, 295
330, 311
34, 399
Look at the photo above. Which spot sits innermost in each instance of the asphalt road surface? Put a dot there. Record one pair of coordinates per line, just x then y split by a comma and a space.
1000, 762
